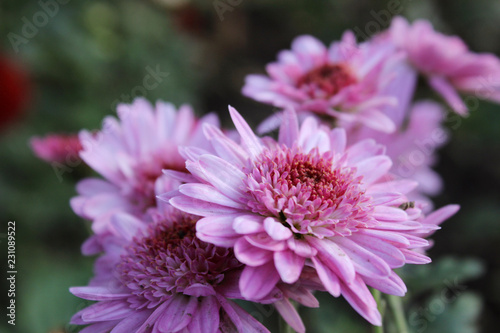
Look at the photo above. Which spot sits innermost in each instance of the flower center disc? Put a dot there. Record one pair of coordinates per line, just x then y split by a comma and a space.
328, 78
169, 259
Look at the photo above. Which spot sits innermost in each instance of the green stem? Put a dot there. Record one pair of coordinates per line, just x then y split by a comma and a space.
396, 304
381, 308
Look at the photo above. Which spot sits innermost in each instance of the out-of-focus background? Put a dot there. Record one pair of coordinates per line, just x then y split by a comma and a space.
64, 65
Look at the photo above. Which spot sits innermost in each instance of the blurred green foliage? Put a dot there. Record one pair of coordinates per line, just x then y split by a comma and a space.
92, 54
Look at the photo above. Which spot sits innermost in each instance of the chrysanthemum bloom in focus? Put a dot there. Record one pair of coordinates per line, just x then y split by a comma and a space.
305, 201
447, 62
60, 148
130, 154
344, 81
158, 277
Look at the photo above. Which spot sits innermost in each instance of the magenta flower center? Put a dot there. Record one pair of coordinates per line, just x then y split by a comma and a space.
328, 78
169, 260
304, 191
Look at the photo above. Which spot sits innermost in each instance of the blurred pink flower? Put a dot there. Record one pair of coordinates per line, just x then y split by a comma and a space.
447, 63
344, 81
412, 148
130, 154
305, 201
60, 148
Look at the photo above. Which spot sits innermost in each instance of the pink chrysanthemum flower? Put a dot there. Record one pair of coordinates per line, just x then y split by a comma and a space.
305, 201
448, 63
412, 148
344, 81
58, 148
130, 154
158, 277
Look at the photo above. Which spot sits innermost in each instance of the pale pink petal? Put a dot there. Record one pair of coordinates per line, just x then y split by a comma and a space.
131, 323
206, 319
209, 194
257, 282
276, 230
289, 130
178, 314
248, 224
386, 213
365, 262
392, 285
200, 207
372, 169
217, 225
97, 293
327, 277
290, 314
289, 265
102, 311
250, 140
251, 255
360, 298
332, 255
224, 176
448, 92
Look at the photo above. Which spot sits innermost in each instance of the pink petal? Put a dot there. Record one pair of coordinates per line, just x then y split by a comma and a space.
338, 140
289, 130
209, 194
289, 265
224, 176
242, 320
219, 225
402, 186
257, 282
334, 257
301, 247
413, 257
373, 168
440, 215
126, 225
93, 186
360, 298
180, 176
263, 241
389, 214
97, 293
448, 92
103, 327
251, 255
393, 285
301, 295
365, 262
290, 314
226, 148
327, 277
248, 224
131, 323
200, 207
249, 139
102, 311
382, 249
199, 290
276, 230
377, 120
178, 314
206, 319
